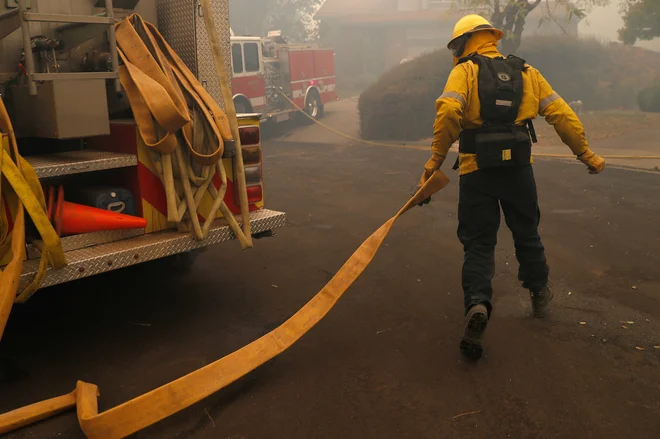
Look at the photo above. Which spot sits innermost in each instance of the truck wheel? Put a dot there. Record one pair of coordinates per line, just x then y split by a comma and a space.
314, 105
181, 263
242, 106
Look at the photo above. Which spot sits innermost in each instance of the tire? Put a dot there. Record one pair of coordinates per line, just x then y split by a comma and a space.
314, 106
242, 106
180, 264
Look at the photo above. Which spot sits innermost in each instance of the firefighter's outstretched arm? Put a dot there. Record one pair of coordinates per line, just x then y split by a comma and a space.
567, 125
450, 107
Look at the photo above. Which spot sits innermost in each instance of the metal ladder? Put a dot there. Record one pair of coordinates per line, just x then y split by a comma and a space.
32, 77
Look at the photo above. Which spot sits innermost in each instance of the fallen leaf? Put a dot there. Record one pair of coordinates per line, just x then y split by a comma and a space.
638, 348
630, 323
583, 323
656, 347
274, 286
569, 293
634, 287
466, 414
624, 326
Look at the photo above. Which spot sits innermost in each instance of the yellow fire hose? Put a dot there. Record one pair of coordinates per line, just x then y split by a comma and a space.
403, 145
179, 120
219, 60
160, 403
159, 87
24, 190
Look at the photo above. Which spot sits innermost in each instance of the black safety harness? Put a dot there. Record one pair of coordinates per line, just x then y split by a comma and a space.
499, 142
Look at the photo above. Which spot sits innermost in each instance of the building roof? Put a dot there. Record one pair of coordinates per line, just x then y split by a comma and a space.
380, 12
377, 12
408, 17
343, 8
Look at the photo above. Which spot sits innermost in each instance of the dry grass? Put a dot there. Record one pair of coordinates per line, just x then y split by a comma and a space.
601, 125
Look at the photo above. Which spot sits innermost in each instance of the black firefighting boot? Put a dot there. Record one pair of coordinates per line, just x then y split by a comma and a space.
475, 326
540, 301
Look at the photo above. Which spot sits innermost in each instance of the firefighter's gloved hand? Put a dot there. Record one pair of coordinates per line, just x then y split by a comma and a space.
594, 162
432, 165
417, 188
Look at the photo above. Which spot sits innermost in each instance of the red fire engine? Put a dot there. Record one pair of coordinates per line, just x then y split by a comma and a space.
264, 68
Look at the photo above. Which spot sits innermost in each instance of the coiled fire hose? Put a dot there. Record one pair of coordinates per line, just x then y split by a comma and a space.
186, 141
184, 127
223, 76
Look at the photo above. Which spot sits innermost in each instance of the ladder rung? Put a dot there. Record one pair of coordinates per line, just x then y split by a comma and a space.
74, 75
62, 18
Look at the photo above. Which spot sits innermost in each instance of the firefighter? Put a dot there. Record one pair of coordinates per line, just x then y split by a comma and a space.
490, 102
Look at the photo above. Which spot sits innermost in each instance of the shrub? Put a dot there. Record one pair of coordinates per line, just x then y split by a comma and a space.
649, 100
400, 106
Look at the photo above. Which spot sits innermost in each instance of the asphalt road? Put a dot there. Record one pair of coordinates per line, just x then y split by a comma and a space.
385, 362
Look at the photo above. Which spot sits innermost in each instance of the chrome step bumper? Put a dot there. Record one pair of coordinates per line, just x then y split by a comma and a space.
78, 162
110, 256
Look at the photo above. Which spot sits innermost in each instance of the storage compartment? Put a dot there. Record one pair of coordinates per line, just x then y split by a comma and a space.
62, 109
301, 65
324, 63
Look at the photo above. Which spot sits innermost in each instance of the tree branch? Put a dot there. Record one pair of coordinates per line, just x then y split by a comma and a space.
497, 19
532, 6
554, 20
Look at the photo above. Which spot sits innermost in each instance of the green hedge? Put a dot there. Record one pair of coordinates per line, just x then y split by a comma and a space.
400, 106
649, 100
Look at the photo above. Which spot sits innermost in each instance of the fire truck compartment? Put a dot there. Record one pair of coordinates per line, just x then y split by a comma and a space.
301, 65
324, 63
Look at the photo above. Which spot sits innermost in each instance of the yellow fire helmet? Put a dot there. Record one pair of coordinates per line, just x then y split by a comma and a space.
467, 26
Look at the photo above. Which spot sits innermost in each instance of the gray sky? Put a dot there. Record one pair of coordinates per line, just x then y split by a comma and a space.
603, 23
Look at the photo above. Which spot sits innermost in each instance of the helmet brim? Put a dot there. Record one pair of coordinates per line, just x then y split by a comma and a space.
498, 33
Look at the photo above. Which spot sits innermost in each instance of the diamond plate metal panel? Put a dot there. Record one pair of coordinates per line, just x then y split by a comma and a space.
76, 242
176, 21
206, 72
78, 162
103, 258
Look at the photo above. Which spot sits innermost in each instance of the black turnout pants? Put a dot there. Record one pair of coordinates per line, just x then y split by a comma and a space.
481, 194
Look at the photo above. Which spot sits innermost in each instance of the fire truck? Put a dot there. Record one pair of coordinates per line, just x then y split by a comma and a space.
265, 68
61, 69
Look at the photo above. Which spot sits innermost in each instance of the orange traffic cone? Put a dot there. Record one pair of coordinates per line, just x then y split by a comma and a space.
73, 219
